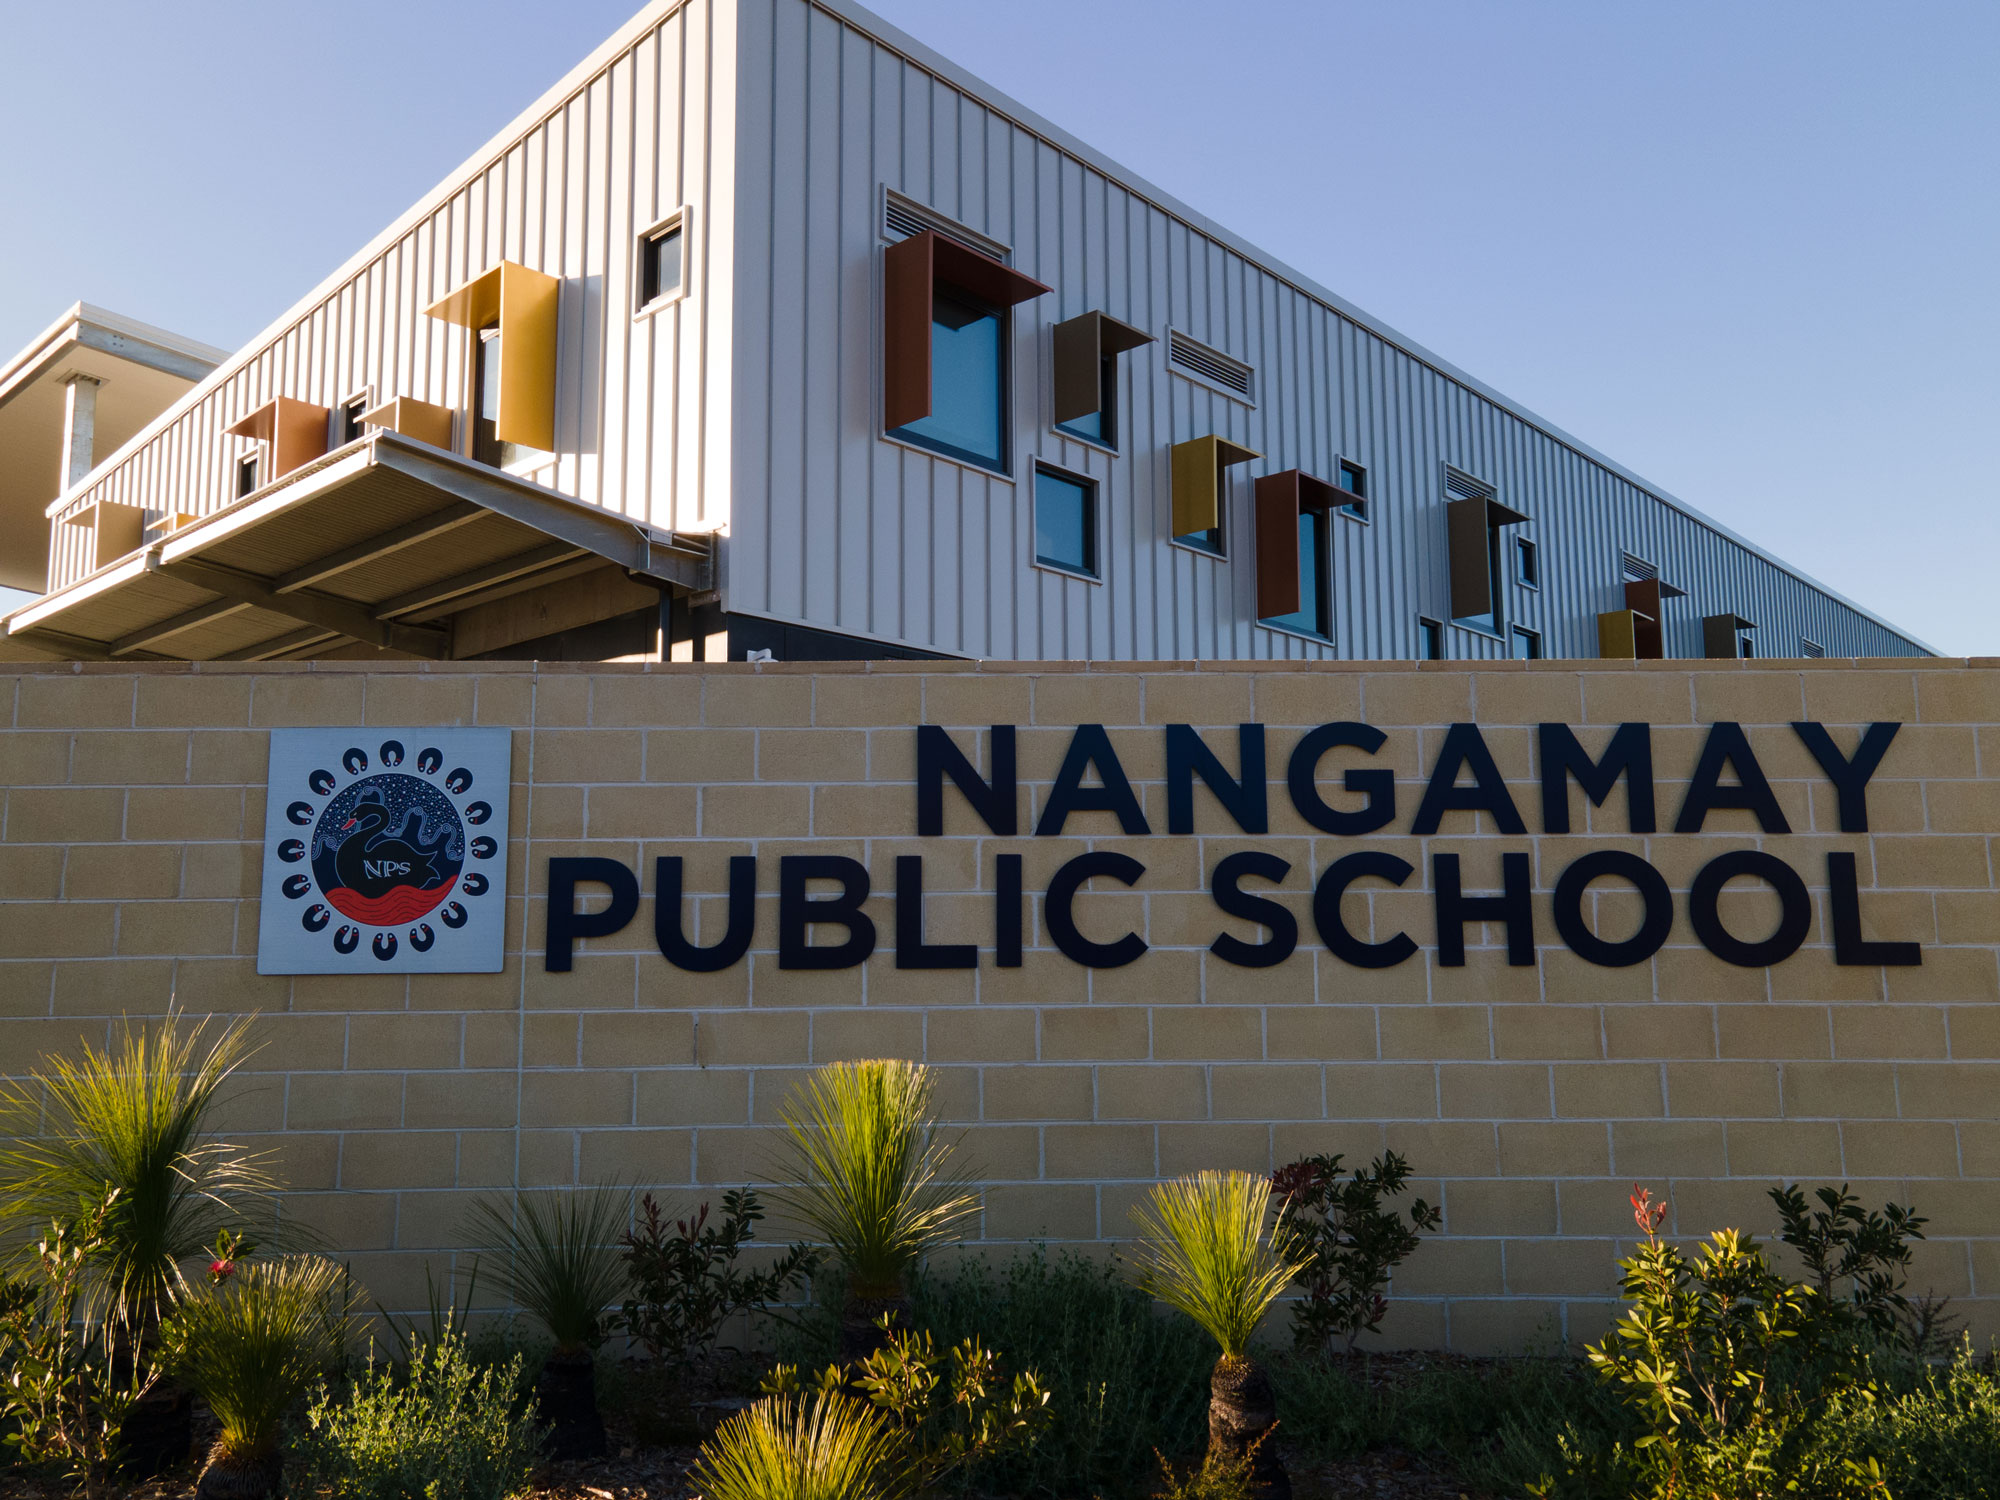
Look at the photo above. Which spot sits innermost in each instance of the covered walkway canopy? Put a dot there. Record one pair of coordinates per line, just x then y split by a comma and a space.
383, 542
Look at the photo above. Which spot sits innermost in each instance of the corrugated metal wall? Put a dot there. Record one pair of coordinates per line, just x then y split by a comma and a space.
836, 527
635, 429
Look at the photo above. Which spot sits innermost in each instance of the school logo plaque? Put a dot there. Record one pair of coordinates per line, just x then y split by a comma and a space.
385, 851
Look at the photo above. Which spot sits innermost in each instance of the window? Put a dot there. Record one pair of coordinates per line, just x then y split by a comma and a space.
945, 337
1086, 375
513, 399
1812, 650
1314, 616
1725, 636
487, 445
662, 263
1646, 596
292, 433
248, 472
350, 418
1474, 520
1199, 467
1430, 638
968, 416
1065, 522
1527, 644
1354, 480
1527, 564
1295, 552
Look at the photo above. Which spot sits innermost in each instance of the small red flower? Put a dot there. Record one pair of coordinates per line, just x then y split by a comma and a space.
221, 1270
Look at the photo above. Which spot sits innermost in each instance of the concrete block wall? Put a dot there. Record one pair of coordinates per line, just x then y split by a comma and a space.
1529, 1099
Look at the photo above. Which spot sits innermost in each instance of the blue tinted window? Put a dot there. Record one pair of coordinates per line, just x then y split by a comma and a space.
1311, 617
1203, 541
968, 380
1527, 644
1100, 426
1065, 522
1354, 479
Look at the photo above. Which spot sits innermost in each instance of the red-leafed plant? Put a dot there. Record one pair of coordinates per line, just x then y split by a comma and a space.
1335, 1224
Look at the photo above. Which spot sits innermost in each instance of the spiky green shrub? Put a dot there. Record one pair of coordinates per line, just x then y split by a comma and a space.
561, 1262
872, 1175
820, 1446
135, 1119
1202, 1250
253, 1344
444, 1429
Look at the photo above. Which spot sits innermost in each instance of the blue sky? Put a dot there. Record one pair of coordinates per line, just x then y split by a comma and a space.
1751, 251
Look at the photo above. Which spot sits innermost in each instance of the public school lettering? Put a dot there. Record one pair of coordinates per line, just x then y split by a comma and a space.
822, 923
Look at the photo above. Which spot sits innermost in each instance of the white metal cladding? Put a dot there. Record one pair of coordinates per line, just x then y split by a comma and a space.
833, 526
644, 127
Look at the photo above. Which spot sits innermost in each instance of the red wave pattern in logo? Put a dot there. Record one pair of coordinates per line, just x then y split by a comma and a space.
404, 904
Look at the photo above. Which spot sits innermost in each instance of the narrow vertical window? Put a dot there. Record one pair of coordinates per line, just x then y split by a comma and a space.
1314, 616
1527, 564
486, 445
249, 472
350, 417
1430, 638
1354, 482
1066, 522
1527, 644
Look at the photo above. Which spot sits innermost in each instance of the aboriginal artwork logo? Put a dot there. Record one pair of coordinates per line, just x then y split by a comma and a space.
385, 855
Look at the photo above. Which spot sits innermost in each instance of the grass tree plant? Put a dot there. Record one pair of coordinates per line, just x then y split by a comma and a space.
137, 1119
561, 1266
251, 1345
1203, 1250
818, 1446
875, 1178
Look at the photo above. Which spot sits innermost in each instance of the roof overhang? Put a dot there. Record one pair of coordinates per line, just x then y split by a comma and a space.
140, 371
383, 542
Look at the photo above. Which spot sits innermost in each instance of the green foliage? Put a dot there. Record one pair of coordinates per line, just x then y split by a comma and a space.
1858, 1260
133, 1119
948, 1410
1217, 1476
1202, 1251
1345, 1242
1717, 1361
253, 1342
823, 1446
69, 1381
444, 1429
1935, 1438
1122, 1381
562, 1262
873, 1177
685, 1280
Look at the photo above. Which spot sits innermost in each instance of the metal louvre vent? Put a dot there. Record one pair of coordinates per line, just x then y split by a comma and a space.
1810, 649
903, 217
1637, 569
1191, 357
1459, 485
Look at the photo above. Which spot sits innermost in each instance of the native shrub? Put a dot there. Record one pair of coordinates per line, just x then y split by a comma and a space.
1346, 1242
685, 1281
443, 1429
70, 1379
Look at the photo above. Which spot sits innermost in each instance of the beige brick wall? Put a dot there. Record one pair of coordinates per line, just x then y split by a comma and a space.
1529, 1099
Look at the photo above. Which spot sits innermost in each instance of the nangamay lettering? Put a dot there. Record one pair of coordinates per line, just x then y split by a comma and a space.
822, 923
